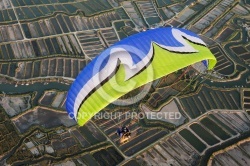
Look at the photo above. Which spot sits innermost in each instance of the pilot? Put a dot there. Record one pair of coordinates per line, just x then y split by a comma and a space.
124, 131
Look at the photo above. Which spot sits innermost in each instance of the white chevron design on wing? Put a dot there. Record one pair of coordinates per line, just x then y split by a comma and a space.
119, 54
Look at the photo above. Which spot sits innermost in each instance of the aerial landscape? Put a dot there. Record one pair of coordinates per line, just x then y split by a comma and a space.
45, 44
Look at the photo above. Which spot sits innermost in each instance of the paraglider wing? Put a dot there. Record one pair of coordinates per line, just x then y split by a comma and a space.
131, 63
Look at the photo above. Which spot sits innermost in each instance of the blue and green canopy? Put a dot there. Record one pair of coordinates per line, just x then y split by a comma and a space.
140, 58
